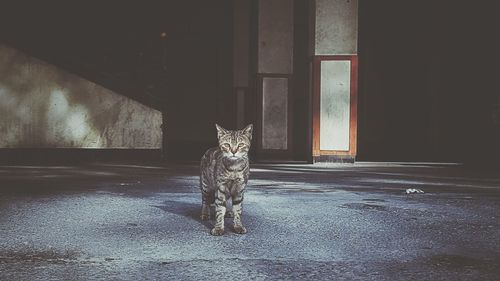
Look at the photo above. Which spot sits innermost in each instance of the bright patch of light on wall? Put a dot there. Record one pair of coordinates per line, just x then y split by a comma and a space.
76, 123
58, 103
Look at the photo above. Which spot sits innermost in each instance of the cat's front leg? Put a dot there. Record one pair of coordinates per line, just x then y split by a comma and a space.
206, 200
220, 211
207, 195
237, 211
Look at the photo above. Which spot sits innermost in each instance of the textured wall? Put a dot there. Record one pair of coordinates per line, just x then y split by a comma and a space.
42, 106
275, 113
336, 27
275, 30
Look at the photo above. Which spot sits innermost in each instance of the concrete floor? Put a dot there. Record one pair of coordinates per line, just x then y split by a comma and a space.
305, 222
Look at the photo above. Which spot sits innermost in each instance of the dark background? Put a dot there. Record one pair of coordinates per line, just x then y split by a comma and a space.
428, 72
428, 81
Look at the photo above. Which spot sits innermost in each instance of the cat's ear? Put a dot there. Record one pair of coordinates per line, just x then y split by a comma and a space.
248, 130
220, 131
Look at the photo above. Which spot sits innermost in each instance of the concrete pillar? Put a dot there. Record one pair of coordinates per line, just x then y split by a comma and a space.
336, 27
334, 77
275, 39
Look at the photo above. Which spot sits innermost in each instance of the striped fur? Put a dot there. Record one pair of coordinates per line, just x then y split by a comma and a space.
224, 175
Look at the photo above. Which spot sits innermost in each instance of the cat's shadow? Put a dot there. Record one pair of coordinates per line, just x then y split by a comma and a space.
185, 209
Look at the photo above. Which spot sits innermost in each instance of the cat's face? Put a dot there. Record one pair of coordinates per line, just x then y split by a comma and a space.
234, 144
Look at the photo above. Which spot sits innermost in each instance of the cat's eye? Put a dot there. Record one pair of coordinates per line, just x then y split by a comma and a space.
226, 145
241, 145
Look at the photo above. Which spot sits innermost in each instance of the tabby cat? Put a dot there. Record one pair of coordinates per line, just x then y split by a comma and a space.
224, 175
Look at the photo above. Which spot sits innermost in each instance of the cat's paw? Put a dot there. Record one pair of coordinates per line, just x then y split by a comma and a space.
240, 229
217, 231
229, 214
204, 217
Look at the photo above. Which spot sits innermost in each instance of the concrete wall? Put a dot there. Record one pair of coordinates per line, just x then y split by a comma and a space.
275, 113
275, 36
336, 27
42, 106
275, 65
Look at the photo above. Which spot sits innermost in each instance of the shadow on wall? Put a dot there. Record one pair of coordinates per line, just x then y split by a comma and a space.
42, 106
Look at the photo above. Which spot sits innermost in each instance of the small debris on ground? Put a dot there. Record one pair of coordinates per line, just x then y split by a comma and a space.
413, 191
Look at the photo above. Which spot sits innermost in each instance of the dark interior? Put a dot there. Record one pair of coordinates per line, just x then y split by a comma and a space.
428, 88
427, 76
